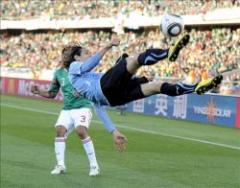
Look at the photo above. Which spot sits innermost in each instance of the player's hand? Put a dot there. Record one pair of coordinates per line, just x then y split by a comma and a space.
35, 89
115, 42
120, 140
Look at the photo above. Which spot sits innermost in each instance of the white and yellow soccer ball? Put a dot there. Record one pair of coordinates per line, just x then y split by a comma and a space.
172, 25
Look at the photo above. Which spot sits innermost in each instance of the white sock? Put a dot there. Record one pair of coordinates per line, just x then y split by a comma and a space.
60, 150
89, 149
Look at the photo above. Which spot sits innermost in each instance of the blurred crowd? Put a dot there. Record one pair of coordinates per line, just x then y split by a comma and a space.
80, 9
208, 53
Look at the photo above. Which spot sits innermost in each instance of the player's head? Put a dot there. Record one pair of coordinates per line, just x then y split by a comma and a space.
74, 52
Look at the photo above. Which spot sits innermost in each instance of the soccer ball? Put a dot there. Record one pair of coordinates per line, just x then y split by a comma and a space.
171, 25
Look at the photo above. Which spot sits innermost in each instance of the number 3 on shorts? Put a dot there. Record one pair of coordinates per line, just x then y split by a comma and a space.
82, 118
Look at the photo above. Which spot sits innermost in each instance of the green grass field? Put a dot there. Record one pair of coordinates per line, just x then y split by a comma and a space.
160, 152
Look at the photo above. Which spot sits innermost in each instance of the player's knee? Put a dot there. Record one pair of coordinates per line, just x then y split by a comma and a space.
82, 132
132, 60
60, 131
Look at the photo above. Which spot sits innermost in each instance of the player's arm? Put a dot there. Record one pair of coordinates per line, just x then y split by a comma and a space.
50, 93
104, 50
89, 64
118, 137
44, 93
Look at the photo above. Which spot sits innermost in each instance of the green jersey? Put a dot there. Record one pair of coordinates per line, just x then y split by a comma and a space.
70, 100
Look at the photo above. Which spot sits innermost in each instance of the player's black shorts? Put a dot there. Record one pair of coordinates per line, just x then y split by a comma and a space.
118, 86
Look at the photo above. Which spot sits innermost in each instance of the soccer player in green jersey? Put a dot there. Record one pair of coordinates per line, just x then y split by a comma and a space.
77, 114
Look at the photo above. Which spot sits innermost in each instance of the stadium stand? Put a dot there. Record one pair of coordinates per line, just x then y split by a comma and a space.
77, 9
211, 50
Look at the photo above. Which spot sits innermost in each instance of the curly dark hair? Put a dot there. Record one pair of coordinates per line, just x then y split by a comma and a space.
69, 52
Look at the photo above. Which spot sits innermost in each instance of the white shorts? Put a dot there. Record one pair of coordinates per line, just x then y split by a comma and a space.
70, 119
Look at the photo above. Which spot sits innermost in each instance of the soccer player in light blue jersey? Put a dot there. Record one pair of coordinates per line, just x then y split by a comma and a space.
118, 85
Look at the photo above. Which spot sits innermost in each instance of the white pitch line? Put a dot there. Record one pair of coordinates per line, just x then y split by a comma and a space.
132, 128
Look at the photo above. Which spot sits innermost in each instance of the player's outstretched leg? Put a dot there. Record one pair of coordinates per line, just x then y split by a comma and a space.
180, 88
152, 56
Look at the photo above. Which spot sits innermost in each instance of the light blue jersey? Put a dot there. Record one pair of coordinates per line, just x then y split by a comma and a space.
86, 82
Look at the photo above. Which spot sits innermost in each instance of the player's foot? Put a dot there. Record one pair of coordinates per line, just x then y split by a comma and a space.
208, 84
174, 51
94, 171
58, 169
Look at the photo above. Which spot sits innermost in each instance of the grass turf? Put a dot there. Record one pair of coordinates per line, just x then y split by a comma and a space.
155, 157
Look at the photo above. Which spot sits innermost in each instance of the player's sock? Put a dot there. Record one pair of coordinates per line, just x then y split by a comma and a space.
177, 89
152, 56
89, 148
60, 150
